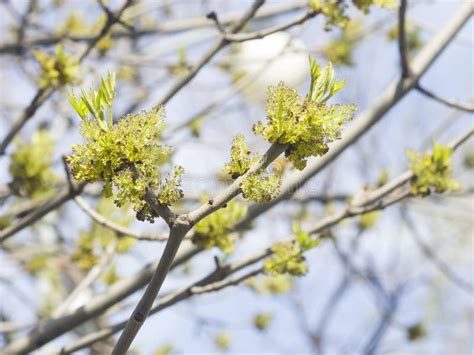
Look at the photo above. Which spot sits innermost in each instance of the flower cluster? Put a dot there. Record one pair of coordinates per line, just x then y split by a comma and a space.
432, 171
30, 166
368, 220
125, 155
222, 341
364, 5
335, 10
241, 158
261, 187
59, 69
305, 125
275, 285
288, 256
262, 320
215, 229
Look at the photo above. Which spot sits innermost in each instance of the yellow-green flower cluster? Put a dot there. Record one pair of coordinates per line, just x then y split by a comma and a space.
274, 285
262, 320
125, 155
261, 187
30, 166
306, 125
241, 158
215, 229
335, 10
432, 171
288, 257
165, 349
59, 69
222, 341
368, 220
364, 5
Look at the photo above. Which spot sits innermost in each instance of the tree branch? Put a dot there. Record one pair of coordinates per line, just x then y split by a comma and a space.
178, 231
402, 46
221, 43
120, 230
63, 196
242, 37
196, 288
443, 267
369, 117
44, 93
371, 196
447, 102
170, 27
52, 328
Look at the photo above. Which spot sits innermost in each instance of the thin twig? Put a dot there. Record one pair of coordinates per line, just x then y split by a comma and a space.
221, 43
451, 103
241, 37
385, 320
181, 226
45, 331
107, 223
208, 283
430, 254
44, 93
196, 288
170, 27
402, 45
370, 116
63, 196
87, 281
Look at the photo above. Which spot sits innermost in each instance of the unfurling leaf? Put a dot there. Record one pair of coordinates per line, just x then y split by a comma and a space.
125, 156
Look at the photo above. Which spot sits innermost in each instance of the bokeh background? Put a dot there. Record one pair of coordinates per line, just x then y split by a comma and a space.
393, 249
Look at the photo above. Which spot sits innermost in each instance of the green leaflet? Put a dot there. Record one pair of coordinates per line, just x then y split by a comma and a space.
97, 103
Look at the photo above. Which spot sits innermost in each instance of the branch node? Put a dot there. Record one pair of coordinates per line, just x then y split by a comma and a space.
139, 317
213, 16
70, 183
